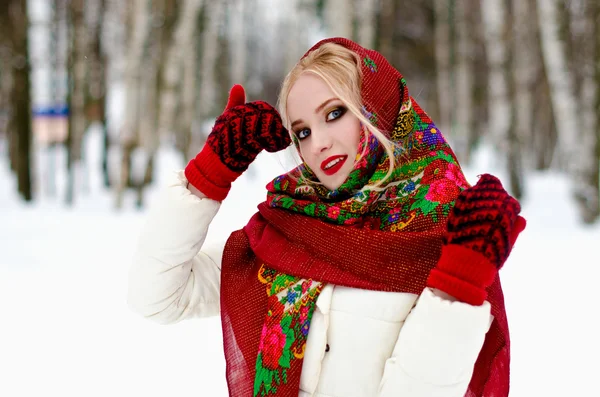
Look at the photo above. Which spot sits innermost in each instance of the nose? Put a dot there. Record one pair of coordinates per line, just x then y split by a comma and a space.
321, 141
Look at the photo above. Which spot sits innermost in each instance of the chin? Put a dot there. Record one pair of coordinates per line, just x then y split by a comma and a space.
330, 186
334, 183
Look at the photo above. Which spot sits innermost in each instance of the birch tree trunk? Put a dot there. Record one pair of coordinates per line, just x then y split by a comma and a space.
464, 131
292, 24
523, 63
257, 50
143, 155
116, 33
572, 30
98, 76
481, 110
494, 15
237, 37
365, 20
58, 59
520, 73
339, 18
140, 17
148, 139
140, 31
587, 165
494, 18
207, 98
443, 45
387, 22
186, 121
181, 46
544, 136
517, 94
564, 104
77, 78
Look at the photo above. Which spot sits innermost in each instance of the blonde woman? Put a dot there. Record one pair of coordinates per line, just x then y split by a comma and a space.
371, 269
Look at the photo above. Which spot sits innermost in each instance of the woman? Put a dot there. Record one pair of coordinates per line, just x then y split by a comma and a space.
370, 269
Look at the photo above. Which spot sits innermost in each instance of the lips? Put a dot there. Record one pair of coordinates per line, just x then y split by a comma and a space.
332, 164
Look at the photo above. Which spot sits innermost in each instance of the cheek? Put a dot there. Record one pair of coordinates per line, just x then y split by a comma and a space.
352, 134
304, 154
308, 157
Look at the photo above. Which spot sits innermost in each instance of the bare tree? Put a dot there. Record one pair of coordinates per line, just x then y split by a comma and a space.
58, 58
5, 87
298, 22
586, 167
339, 23
6, 76
208, 97
182, 47
596, 33
543, 140
76, 97
443, 48
463, 129
564, 103
15, 23
387, 22
523, 61
140, 17
577, 154
237, 37
518, 91
148, 134
291, 23
96, 87
519, 72
189, 95
495, 21
366, 11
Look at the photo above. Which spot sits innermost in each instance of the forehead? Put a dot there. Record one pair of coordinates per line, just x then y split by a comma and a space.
307, 93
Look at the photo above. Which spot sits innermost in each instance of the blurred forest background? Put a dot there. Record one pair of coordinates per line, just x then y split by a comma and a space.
522, 76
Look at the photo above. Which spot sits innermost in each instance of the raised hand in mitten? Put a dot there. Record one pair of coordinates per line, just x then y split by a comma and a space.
481, 231
238, 136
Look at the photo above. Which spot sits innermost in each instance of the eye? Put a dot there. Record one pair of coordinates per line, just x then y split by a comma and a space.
335, 114
303, 133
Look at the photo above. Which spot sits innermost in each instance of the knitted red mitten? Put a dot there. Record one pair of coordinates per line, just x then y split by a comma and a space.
482, 229
238, 136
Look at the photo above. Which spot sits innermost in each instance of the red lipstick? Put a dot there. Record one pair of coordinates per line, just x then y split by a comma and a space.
332, 164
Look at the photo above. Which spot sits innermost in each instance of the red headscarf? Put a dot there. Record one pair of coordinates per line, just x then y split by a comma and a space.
379, 239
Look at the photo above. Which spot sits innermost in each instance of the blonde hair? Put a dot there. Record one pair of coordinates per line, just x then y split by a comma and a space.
340, 68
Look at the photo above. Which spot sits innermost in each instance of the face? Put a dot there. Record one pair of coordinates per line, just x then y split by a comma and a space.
328, 134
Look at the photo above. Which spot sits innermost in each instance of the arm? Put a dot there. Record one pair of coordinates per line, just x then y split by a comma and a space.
436, 349
171, 278
443, 335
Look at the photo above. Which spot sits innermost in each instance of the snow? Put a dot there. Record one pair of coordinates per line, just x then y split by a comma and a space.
66, 328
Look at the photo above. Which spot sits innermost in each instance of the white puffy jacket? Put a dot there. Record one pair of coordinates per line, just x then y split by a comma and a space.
361, 343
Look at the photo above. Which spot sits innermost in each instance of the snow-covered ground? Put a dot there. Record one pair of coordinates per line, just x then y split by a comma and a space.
66, 329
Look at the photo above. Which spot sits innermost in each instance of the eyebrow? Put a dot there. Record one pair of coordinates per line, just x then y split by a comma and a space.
317, 110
